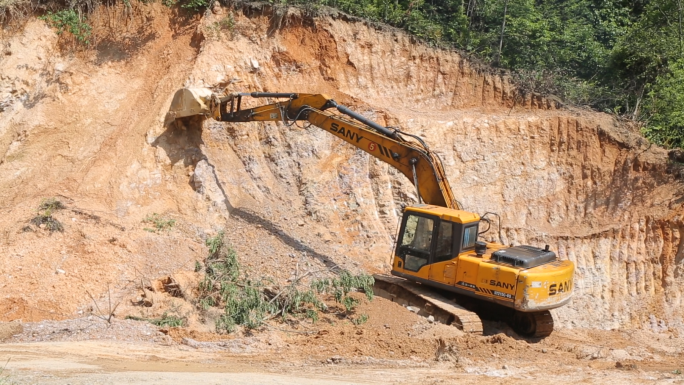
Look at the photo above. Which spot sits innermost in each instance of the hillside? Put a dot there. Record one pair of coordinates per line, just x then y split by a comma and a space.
87, 128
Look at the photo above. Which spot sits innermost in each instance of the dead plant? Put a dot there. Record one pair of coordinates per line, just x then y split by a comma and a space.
110, 310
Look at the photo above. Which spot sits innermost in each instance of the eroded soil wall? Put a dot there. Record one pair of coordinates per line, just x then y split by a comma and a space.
88, 127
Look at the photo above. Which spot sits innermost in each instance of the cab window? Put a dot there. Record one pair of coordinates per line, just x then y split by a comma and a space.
469, 237
415, 243
445, 242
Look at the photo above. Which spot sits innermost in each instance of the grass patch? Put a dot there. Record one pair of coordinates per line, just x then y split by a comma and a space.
360, 320
250, 302
159, 222
44, 218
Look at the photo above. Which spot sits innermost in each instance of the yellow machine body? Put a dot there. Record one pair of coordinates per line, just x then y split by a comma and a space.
437, 247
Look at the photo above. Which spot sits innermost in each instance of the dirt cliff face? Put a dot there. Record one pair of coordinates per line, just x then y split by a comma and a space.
88, 129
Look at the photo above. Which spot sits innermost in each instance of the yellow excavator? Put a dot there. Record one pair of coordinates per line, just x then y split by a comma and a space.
438, 256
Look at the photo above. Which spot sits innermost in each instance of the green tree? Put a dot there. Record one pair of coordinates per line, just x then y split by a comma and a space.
645, 51
665, 107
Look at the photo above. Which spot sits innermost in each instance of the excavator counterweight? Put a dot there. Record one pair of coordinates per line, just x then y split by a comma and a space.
438, 246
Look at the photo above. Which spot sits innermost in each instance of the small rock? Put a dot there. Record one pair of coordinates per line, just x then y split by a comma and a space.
334, 360
59, 68
255, 64
505, 367
545, 350
431, 319
413, 309
387, 326
60, 271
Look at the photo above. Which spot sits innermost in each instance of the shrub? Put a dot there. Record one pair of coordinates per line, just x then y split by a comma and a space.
68, 20
345, 283
45, 210
665, 107
251, 302
362, 319
196, 5
227, 24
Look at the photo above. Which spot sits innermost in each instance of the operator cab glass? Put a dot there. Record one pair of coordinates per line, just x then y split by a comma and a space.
445, 242
426, 239
469, 237
416, 241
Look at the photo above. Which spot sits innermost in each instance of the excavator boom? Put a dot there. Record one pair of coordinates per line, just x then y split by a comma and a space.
412, 158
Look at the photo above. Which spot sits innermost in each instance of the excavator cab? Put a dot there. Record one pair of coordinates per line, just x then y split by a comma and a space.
430, 235
428, 238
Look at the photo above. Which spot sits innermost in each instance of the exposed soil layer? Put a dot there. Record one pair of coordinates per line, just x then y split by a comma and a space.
87, 127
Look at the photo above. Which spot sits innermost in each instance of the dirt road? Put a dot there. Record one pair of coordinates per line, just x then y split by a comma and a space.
110, 362
385, 350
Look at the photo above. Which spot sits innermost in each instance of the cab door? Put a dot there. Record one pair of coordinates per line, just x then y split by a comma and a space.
443, 264
414, 248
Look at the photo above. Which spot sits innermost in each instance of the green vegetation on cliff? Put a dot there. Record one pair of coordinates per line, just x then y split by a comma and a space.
622, 57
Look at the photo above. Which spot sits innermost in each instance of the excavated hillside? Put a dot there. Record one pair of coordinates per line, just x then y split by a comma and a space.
86, 126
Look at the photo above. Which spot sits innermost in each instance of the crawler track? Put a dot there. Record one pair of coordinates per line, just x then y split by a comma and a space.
443, 310
538, 324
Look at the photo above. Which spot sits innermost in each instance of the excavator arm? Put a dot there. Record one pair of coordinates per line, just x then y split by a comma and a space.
411, 157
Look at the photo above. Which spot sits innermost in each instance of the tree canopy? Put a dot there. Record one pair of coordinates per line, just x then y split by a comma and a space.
619, 56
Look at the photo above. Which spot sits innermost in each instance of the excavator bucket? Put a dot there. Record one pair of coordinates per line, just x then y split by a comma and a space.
189, 102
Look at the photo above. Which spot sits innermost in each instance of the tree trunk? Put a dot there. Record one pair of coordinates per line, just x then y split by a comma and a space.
503, 28
679, 9
635, 115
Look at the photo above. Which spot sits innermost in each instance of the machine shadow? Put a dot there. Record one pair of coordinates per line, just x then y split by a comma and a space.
278, 232
182, 140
